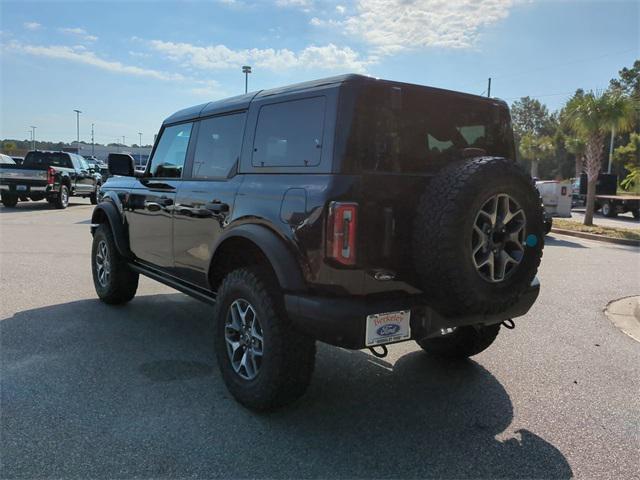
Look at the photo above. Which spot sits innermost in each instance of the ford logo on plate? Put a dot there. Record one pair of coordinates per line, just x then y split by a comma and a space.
389, 329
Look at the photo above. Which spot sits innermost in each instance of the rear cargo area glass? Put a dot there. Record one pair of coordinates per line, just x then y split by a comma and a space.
407, 129
46, 159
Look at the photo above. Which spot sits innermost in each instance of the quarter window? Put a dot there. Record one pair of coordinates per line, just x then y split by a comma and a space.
290, 134
218, 146
168, 159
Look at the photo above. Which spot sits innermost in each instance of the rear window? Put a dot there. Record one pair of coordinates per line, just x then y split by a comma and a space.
47, 159
289, 134
412, 129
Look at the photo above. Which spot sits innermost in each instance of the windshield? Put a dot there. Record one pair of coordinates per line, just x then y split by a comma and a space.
47, 159
412, 129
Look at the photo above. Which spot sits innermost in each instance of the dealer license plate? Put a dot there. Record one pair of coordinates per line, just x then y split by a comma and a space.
388, 327
21, 188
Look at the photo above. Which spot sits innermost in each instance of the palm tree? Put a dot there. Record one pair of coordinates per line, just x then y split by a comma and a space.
535, 149
592, 116
577, 147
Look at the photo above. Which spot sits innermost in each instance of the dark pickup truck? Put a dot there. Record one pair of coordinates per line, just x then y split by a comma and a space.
350, 210
54, 176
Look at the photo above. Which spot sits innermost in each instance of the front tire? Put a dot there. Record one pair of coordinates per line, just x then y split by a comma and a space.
93, 198
114, 281
9, 200
463, 342
264, 363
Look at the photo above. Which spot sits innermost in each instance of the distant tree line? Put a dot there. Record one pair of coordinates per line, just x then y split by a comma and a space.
13, 146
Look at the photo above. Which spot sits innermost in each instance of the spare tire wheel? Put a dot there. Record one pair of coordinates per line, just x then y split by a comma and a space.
478, 236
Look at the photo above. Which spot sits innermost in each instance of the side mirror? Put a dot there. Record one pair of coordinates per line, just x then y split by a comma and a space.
121, 164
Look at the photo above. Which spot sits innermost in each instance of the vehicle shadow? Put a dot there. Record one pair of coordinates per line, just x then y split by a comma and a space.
551, 240
90, 390
30, 206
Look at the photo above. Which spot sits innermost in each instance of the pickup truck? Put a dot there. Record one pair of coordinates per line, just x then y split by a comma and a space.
54, 176
608, 202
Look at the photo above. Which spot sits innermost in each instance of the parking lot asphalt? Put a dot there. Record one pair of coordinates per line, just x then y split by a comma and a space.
90, 390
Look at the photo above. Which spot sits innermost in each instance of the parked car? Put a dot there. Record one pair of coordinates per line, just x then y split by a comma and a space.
98, 166
350, 210
6, 160
54, 176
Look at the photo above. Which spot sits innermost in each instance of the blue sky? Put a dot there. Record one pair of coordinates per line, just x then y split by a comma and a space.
128, 65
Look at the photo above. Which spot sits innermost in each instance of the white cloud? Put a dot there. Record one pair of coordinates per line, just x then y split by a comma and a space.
341, 9
79, 32
221, 57
393, 25
31, 25
81, 55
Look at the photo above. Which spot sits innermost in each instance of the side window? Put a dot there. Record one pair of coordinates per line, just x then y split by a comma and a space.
168, 159
289, 134
218, 145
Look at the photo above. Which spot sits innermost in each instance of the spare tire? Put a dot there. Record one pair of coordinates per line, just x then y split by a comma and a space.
478, 236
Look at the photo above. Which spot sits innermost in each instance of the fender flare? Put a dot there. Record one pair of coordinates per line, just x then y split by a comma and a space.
115, 220
282, 260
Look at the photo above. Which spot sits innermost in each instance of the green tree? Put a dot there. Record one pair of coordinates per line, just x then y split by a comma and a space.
9, 147
592, 117
529, 116
628, 81
536, 149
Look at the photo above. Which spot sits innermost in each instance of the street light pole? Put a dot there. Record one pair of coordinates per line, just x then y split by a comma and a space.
123, 142
246, 69
140, 147
93, 145
78, 112
33, 137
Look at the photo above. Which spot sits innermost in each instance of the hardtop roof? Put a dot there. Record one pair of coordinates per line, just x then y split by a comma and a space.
242, 102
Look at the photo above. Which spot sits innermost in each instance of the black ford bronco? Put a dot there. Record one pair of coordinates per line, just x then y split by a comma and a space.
350, 210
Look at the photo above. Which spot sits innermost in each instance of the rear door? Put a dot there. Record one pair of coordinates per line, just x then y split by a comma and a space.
84, 178
151, 202
206, 197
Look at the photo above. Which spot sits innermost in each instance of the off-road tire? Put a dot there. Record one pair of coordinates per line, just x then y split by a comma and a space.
123, 282
464, 342
9, 200
288, 356
636, 213
63, 194
443, 230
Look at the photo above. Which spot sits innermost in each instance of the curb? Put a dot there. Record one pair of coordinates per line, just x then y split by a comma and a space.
601, 238
624, 313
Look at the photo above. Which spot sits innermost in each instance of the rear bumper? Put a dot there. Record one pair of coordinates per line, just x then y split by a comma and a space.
13, 188
342, 321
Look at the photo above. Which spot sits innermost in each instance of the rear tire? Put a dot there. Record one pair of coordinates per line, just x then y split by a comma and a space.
609, 210
9, 200
462, 343
636, 213
114, 281
62, 200
281, 360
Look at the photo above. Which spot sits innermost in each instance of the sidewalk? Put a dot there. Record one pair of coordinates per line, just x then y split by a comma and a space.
625, 314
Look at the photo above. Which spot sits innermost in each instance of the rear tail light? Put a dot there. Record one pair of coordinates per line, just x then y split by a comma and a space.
341, 232
51, 174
